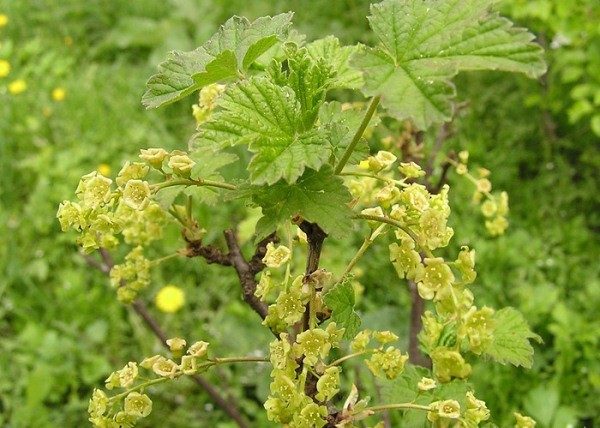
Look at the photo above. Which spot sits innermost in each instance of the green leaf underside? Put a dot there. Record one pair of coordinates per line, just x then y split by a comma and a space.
424, 43
208, 161
236, 45
318, 196
403, 389
267, 118
341, 300
337, 58
511, 339
342, 125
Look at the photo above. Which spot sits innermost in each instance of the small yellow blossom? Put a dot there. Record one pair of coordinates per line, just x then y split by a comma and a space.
3, 20
4, 68
170, 299
276, 256
59, 94
17, 86
425, 384
198, 349
104, 169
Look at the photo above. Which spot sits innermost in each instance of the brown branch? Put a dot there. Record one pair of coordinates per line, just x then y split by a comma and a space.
443, 176
256, 263
142, 311
210, 253
315, 236
245, 274
417, 309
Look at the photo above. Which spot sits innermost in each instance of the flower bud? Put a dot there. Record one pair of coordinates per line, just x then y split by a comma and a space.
411, 170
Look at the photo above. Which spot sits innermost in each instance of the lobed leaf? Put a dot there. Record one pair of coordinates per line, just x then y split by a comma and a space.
232, 50
318, 196
337, 58
267, 118
511, 339
424, 43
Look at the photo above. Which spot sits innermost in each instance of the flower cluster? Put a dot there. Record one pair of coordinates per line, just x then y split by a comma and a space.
294, 364
132, 276
420, 220
108, 211
494, 207
128, 407
207, 102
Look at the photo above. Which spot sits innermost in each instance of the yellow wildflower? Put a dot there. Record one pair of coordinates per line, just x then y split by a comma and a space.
170, 299
4, 68
104, 169
17, 86
3, 20
58, 94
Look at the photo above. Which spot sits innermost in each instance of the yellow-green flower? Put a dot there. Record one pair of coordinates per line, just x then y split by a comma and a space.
170, 299
59, 94
138, 404
276, 256
523, 421
425, 384
198, 349
17, 87
4, 68
136, 194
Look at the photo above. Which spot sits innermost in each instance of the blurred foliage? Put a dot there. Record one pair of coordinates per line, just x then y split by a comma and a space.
61, 328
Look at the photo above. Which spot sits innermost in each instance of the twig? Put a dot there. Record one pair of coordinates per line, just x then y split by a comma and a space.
140, 308
210, 253
245, 274
443, 176
256, 263
315, 237
417, 309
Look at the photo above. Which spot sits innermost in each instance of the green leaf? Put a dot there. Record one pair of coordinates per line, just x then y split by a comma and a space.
541, 403
510, 341
208, 162
337, 58
342, 125
318, 196
209, 159
268, 118
308, 77
424, 43
341, 300
232, 50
